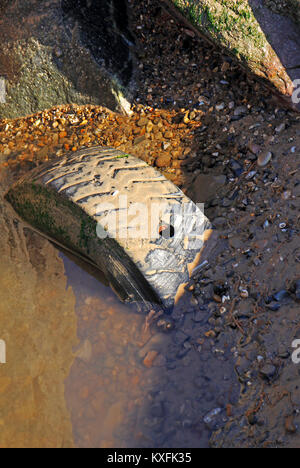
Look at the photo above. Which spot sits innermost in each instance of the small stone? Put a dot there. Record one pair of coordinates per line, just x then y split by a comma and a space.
283, 353
139, 140
280, 128
163, 161
165, 145
268, 371
220, 107
165, 324
149, 359
290, 426
210, 334
220, 222
168, 135
58, 52
186, 120
297, 290
286, 195
255, 149
217, 298
264, 159
236, 167
211, 415
194, 301
142, 122
240, 111
274, 306
244, 294
281, 295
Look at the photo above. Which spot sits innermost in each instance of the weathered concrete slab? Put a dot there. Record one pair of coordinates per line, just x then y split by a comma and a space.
261, 35
61, 52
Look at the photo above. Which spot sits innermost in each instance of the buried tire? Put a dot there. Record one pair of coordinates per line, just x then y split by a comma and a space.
88, 203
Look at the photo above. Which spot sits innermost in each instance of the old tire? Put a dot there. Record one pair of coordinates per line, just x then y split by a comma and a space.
66, 200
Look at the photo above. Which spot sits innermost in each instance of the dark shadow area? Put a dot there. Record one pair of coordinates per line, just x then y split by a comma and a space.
104, 29
282, 34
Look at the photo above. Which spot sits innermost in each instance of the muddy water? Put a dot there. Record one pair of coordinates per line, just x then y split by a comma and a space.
38, 325
134, 386
84, 370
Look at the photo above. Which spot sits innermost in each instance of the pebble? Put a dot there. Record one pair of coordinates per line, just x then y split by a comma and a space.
142, 122
163, 161
264, 159
280, 128
286, 195
268, 371
274, 306
165, 145
149, 359
244, 294
220, 107
255, 149
251, 175
290, 426
165, 324
297, 289
211, 415
240, 111
281, 295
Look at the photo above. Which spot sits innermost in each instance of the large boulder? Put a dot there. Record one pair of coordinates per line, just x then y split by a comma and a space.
263, 35
64, 51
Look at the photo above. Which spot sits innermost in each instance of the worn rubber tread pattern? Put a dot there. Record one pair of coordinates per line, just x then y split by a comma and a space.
94, 177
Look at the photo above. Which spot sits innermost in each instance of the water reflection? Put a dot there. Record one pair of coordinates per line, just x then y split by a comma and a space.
131, 386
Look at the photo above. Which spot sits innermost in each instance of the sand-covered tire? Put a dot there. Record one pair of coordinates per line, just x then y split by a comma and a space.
75, 200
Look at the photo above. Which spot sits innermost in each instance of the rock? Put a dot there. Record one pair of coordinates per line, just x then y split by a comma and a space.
142, 122
149, 359
297, 290
165, 145
268, 371
57, 53
236, 243
165, 324
274, 306
139, 140
268, 46
281, 295
255, 149
244, 294
290, 426
236, 167
240, 111
219, 222
280, 128
168, 135
212, 415
264, 159
286, 195
163, 161
220, 107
